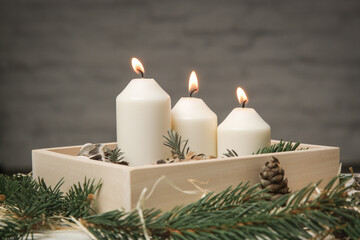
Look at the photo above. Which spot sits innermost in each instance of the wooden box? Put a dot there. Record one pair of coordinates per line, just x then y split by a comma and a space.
122, 185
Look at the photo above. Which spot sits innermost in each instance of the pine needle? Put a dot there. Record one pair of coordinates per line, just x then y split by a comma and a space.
178, 147
230, 153
235, 213
30, 205
281, 146
240, 213
115, 156
79, 198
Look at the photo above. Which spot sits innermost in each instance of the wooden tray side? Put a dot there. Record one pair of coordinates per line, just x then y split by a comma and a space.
122, 185
301, 169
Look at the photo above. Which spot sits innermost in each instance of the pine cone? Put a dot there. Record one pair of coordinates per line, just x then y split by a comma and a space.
272, 178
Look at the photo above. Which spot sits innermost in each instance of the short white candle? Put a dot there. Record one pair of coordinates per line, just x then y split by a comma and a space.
243, 130
142, 118
195, 121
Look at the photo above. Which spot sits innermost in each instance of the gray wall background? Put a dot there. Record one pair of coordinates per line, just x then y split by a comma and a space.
62, 63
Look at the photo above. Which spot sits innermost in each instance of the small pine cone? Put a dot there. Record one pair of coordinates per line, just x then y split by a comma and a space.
272, 179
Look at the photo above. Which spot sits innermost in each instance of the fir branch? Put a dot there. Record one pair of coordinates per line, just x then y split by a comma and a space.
115, 156
79, 198
118, 224
223, 216
178, 147
36, 199
239, 212
30, 207
7, 188
281, 146
230, 153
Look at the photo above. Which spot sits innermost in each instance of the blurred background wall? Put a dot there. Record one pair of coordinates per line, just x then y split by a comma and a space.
63, 62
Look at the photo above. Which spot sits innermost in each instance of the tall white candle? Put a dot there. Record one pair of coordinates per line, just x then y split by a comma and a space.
243, 130
142, 118
195, 121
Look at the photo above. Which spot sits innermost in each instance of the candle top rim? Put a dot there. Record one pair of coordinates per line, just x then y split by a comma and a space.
143, 79
194, 107
242, 119
143, 89
244, 109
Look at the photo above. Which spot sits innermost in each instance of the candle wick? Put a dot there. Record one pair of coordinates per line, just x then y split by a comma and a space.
193, 91
142, 74
243, 104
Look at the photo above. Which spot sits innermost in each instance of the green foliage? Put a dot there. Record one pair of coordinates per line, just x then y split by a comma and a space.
235, 213
118, 224
240, 213
281, 146
31, 205
230, 153
7, 188
79, 198
178, 147
115, 156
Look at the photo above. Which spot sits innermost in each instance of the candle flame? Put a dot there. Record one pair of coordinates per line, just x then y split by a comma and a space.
137, 66
193, 83
241, 96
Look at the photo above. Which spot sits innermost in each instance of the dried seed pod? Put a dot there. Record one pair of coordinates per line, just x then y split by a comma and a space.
93, 151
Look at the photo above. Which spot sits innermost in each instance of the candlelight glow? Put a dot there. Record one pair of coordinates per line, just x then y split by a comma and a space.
193, 83
241, 96
137, 66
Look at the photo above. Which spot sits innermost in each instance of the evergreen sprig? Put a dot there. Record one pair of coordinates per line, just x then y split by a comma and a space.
7, 188
235, 213
241, 213
118, 224
281, 146
230, 153
115, 156
178, 147
30, 205
79, 198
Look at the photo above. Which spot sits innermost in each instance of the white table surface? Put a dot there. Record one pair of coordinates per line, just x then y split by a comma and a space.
62, 235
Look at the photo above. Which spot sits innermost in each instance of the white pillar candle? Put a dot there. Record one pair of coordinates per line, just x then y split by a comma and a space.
243, 130
195, 121
142, 118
